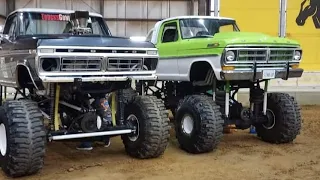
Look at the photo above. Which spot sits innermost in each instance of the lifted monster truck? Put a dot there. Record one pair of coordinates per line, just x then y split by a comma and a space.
63, 63
203, 63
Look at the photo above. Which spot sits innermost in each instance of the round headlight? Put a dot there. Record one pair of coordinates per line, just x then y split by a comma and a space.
230, 56
297, 55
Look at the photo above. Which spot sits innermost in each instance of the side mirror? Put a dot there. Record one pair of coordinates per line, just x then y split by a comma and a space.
4, 38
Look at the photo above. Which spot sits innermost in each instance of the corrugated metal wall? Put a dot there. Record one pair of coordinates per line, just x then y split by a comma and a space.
2, 11
124, 17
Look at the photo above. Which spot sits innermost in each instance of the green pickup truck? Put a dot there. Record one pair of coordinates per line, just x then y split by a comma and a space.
203, 63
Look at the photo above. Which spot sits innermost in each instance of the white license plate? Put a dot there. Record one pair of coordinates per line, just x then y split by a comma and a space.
268, 74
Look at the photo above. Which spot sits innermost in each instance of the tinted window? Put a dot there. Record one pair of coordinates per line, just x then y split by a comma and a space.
197, 28
170, 32
149, 36
44, 23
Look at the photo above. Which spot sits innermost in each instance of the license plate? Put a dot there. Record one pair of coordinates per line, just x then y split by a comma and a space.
268, 74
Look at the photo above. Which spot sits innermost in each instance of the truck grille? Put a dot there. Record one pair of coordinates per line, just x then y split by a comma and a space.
124, 64
281, 55
81, 64
252, 55
265, 55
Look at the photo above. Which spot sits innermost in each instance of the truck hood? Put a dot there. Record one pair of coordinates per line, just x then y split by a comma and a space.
94, 41
32, 42
236, 38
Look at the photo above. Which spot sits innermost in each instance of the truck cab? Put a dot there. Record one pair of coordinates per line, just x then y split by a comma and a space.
189, 43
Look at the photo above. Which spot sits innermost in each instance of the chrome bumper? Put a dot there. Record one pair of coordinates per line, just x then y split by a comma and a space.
97, 77
251, 75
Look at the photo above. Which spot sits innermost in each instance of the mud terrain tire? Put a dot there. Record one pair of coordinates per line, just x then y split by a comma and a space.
129, 94
25, 138
153, 123
287, 119
207, 124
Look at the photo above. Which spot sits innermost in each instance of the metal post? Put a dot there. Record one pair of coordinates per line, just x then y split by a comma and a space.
102, 7
215, 8
283, 18
227, 98
1, 95
214, 88
265, 97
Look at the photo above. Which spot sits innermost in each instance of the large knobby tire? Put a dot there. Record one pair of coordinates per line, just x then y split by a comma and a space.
150, 116
285, 112
128, 95
198, 124
25, 138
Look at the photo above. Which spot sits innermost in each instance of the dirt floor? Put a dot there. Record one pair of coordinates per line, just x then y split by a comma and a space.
240, 156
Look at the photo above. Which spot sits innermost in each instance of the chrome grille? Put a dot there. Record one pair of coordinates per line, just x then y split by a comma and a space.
262, 54
281, 54
252, 54
124, 64
81, 64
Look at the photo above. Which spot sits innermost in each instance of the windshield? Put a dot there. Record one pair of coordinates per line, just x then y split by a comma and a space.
48, 23
197, 28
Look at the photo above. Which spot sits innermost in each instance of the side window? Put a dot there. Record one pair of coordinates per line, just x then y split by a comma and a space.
10, 26
170, 32
149, 36
12, 31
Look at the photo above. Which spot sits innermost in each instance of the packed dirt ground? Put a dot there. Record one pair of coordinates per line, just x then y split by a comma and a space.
240, 156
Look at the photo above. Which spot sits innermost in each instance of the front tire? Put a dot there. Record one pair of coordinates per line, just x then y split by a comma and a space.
23, 148
284, 119
198, 124
149, 115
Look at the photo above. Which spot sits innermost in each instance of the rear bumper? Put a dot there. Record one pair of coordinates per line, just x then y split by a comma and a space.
251, 75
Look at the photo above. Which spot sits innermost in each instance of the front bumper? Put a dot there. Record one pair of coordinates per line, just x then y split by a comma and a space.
258, 74
97, 76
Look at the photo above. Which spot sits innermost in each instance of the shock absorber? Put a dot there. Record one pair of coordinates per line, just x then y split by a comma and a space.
121, 107
256, 101
52, 93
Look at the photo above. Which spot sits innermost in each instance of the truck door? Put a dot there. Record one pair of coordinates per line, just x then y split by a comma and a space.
168, 43
7, 66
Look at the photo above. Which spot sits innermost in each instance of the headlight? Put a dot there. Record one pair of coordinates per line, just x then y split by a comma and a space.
152, 52
230, 56
297, 55
46, 50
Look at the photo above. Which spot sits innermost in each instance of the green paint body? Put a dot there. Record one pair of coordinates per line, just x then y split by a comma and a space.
206, 46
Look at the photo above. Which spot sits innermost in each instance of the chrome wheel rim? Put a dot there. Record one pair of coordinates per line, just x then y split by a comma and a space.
3, 139
134, 120
187, 124
271, 118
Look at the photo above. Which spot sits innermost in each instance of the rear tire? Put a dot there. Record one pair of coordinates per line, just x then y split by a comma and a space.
25, 138
149, 115
198, 124
287, 119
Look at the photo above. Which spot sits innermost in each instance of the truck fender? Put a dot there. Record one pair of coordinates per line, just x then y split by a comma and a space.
215, 67
19, 69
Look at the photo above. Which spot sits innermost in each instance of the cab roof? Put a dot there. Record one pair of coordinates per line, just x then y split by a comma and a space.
43, 10
196, 17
